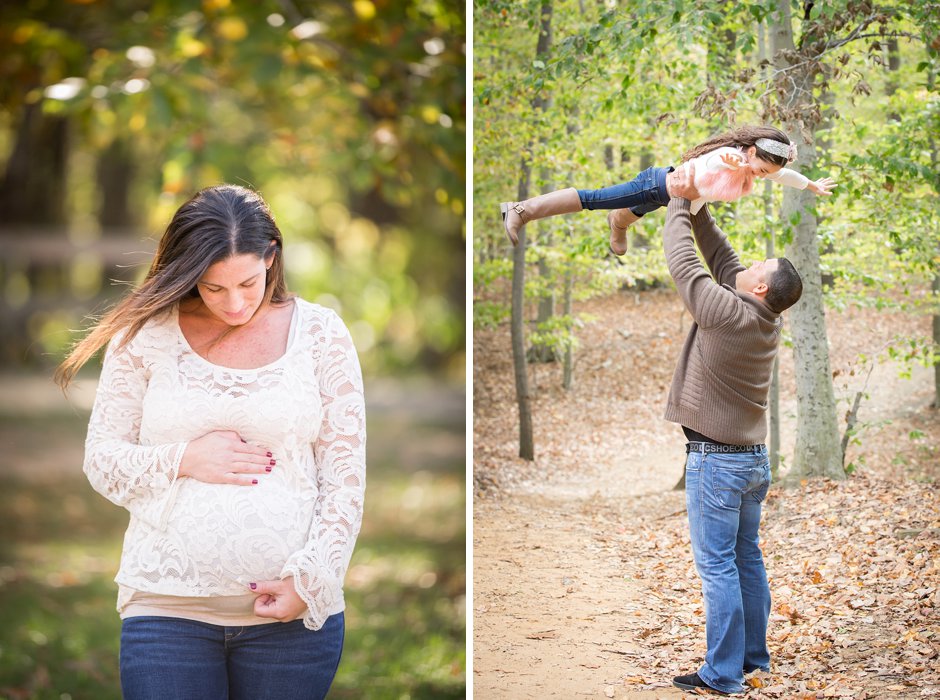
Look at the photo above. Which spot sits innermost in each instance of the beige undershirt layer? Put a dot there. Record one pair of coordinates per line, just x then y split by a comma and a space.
225, 611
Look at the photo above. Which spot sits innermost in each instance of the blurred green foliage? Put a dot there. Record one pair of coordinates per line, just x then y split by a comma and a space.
348, 117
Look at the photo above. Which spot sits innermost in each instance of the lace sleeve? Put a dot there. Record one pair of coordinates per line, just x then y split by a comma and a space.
140, 478
339, 452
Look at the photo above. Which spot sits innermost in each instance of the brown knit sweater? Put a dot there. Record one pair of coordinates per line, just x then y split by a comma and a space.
723, 374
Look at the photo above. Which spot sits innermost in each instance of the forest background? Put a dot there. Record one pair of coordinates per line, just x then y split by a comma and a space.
574, 348
349, 118
589, 95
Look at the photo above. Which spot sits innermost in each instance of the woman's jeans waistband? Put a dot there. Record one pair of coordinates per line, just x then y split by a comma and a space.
167, 657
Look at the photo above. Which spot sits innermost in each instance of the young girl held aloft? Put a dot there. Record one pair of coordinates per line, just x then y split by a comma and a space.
725, 169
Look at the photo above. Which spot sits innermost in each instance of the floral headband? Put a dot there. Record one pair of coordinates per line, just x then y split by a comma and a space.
784, 150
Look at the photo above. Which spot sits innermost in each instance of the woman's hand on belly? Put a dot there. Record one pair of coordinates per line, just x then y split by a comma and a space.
278, 600
222, 457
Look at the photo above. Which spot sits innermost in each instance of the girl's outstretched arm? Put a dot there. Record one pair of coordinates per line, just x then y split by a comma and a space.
791, 178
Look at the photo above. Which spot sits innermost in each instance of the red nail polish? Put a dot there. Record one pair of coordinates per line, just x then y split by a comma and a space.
268, 469
254, 481
254, 586
270, 455
273, 462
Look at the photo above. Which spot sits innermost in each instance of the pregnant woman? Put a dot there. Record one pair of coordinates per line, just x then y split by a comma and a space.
229, 422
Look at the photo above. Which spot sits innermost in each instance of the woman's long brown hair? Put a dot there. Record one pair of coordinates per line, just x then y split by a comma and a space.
215, 224
744, 137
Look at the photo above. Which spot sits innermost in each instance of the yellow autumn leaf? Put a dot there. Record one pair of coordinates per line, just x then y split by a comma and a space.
364, 9
191, 47
430, 114
231, 28
137, 122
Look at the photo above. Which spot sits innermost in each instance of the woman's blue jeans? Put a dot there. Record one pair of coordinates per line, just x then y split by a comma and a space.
169, 657
724, 493
644, 193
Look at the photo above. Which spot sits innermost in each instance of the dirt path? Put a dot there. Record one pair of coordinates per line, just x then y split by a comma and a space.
582, 574
553, 611
559, 597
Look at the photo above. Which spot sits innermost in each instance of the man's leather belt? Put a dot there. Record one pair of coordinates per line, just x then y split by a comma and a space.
725, 449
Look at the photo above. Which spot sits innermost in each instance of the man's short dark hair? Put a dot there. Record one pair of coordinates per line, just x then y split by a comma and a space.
784, 288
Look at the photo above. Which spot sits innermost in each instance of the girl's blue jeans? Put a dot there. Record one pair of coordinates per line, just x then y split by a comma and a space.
724, 493
169, 657
644, 193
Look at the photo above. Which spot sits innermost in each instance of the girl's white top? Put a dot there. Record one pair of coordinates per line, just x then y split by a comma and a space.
190, 538
718, 182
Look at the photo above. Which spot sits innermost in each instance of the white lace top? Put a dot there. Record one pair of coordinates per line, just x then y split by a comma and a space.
190, 538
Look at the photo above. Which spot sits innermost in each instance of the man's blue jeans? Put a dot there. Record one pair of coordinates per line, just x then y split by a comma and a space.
724, 493
169, 657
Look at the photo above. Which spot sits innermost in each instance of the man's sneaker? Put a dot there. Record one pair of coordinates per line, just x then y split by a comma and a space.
692, 682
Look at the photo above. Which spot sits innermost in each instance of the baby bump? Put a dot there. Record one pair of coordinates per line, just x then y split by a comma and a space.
231, 535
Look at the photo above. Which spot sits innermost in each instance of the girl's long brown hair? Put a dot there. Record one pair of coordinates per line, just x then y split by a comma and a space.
744, 137
215, 224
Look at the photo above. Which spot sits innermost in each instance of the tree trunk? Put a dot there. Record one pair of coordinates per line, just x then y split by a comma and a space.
115, 175
517, 323
936, 340
32, 194
773, 408
517, 329
893, 65
567, 376
566, 379
543, 352
33, 187
935, 161
818, 447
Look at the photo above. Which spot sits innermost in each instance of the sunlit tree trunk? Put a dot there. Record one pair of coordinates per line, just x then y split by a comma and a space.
935, 287
517, 323
567, 368
818, 449
936, 340
517, 330
567, 376
773, 401
543, 352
